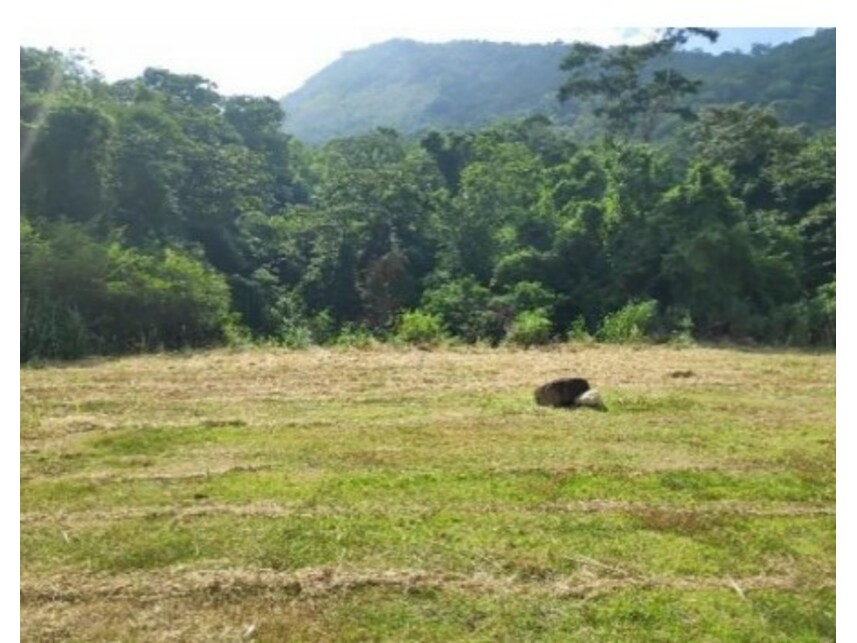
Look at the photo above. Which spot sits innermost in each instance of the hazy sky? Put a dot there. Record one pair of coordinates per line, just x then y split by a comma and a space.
258, 47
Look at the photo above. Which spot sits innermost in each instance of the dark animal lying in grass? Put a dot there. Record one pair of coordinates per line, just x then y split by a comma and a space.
569, 393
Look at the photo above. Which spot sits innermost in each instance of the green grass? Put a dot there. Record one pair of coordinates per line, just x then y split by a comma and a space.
412, 495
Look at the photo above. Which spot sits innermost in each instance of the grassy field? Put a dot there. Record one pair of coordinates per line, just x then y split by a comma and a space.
411, 495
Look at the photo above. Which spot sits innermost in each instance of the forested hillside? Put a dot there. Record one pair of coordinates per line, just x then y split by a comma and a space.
797, 79
157, 213
414, 86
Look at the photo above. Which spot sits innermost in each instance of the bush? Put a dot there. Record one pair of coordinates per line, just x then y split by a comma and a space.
677, 327
527, 295
804, 322
235, 334
351, 336
62, 288
419, 327
52, 331
80, 296
629, 324
464, 308
530, 328
578, 331
823, 307
170, 299
296, 335
322, 328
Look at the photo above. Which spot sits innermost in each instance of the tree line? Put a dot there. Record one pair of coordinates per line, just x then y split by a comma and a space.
158, 213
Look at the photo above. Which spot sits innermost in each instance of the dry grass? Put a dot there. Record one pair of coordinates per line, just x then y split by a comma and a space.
352, 495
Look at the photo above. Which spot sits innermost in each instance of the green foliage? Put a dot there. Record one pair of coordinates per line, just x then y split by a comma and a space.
579, 332
526, 296
51, 331
530, 328
65, 164
631, 323
296, 335
824, 312
752, 144
526, 265
170, 300
628, 99
495, 204
354, 336
709, 251
465, 309
804, 322
323, 328
235, 335
157, 213
677, 326
52, 323
420, 327
452, 153
797, 79
79, 296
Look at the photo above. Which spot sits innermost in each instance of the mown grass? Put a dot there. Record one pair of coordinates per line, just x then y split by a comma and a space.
414, 495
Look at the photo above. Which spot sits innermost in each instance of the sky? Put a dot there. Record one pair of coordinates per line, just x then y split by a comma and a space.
271, 48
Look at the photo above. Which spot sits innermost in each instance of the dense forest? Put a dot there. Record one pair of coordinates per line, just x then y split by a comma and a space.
414, 86
157, 213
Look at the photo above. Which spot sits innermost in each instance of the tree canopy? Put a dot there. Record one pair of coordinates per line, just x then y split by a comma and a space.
157, 213
629, 95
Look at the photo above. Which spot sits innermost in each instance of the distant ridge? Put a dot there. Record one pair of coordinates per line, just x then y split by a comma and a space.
412, 86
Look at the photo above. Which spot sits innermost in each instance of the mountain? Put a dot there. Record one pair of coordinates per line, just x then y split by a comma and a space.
797, 79
412, 86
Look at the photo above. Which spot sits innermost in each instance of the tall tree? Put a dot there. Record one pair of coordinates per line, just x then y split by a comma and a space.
66, 172
629, 95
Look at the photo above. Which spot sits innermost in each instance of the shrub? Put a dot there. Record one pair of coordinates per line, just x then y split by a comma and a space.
80, 296
322, 328
419, 327
352, 336
678, 327
62, 287
51, 330
169, 299
530, 328
804, 322
823, 307
235, 334
629, 324
578, 331
464, 308
296, 335
527, 295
